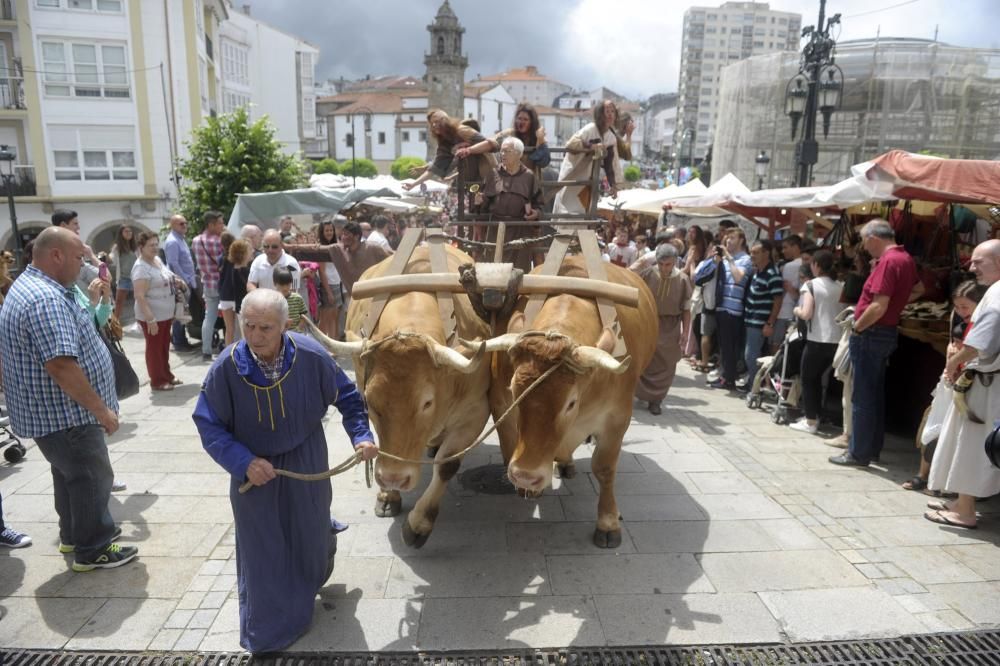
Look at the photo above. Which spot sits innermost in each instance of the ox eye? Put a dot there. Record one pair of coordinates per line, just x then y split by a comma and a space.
427, 405
571, 405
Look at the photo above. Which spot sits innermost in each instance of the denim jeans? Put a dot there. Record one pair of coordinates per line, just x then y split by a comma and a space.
754, 344
870, 352
211, 315
81, 483
730, 333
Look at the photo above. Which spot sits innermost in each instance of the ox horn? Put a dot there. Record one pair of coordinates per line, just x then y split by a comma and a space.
335, 347
500, 343
594, 357
449, 358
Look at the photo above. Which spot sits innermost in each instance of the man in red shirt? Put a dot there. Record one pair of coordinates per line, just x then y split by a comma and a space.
876, 316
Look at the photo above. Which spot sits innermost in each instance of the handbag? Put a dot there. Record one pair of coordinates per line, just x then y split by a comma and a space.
182, 312
126, 381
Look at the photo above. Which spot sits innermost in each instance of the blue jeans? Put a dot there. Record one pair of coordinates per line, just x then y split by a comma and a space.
81, 483
211, 315
754, 344
870, 352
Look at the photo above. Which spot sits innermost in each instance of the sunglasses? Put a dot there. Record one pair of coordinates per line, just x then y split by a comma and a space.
271, 247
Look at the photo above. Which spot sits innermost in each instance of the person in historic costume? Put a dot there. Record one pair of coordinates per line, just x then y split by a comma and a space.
594, 140
517, 199
261, 408
960, 463
536, 155
672, 289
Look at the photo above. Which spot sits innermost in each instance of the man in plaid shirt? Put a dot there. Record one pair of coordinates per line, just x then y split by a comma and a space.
207, 248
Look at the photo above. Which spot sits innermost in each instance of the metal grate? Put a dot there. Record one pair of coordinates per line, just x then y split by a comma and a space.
974, 648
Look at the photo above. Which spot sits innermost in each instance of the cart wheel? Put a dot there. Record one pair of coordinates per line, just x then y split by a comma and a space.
14, 453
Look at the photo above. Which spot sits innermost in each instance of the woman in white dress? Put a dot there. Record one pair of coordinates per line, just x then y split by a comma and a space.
595, 140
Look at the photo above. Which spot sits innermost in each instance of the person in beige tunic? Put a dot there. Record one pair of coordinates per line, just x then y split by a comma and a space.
672, 290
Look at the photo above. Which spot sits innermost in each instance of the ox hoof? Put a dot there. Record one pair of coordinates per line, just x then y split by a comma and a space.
528, 494
611, 539
567, 471
411, 538
388, 508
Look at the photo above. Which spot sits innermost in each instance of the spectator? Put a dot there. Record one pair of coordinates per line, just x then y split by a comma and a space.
296, 304
68, 219
233, 277
180, 263
207, 248
378, 235
253, 235
697, 253
262, 268
596, 139
288, 229
123, 256
731, 284
53, 357
765, 294
6, 261
156, 296
352, 256
672, 291
331, 297
641, 245
9, 537
819, 307
531, 133
791, 249
876, 316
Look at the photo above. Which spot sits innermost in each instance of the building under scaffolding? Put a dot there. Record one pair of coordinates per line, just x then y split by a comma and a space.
916, 95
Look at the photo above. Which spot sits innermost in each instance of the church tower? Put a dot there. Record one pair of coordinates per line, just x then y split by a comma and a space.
445, 64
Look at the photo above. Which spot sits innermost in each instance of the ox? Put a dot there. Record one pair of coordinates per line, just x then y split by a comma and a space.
589, 395
420, 393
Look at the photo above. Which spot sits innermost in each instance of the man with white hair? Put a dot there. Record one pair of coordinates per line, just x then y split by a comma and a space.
516, 199
876, 317
251, 233
960, 464
261, 408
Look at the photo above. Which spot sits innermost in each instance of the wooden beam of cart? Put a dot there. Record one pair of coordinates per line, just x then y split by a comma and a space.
531, 284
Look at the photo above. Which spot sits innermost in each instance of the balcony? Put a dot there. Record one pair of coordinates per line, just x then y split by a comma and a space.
23, 181
12, 93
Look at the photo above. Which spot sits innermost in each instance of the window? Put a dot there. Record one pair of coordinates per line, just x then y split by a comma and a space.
710, 29
783, 21
440, 46
111, 6
93, 153
232, 101
85, 70
308, 115
235, 66
381, 138
759, 44
423, 135
706, 91
349, 140
406, 136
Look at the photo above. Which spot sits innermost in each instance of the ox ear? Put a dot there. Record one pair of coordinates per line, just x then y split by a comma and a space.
516, 324
607, 340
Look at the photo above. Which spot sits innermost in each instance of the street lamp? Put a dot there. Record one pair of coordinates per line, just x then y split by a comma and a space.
8, 155
367, 113
760, 168
808, 91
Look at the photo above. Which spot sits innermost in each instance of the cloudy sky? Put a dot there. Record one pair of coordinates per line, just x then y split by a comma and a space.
629, 46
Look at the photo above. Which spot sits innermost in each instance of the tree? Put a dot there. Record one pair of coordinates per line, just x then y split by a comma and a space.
328, 165
359, 167
632, 173
400, 168
229, 155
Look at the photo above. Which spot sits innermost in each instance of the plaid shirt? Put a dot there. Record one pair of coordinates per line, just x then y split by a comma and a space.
40, 321
208, 254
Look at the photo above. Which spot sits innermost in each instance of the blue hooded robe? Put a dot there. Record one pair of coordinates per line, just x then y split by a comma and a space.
283, 528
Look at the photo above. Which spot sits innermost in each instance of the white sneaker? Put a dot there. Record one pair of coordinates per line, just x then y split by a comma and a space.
742, 381
713, 375
803, 426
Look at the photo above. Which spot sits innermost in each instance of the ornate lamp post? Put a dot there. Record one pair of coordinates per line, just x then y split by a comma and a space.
761, 164
817, 87
7, 156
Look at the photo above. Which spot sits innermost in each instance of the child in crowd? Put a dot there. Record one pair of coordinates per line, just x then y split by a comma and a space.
296, 304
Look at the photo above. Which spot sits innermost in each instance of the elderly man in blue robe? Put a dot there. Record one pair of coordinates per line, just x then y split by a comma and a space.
261, 408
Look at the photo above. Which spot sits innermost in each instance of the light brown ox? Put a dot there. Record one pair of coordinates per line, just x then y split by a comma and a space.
419, 392
591, 395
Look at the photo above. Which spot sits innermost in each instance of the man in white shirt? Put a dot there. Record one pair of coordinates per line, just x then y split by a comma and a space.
262, 268
791, 248
377, 236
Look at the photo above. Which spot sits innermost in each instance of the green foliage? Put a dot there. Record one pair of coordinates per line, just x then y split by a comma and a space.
400, 168
632, 173
229, 155
328, 165
932, 153
359, 167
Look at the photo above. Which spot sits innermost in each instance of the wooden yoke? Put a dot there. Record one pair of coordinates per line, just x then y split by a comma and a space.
446, 300
397, 265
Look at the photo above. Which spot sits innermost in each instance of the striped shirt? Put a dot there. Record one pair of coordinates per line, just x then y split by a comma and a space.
765, 287
296, 308
732, 291
207, 250
40, 321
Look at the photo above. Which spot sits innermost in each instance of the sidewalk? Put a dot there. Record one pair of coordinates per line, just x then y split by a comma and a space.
735, 530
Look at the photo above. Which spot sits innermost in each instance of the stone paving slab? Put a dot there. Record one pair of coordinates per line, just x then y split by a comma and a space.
734, 530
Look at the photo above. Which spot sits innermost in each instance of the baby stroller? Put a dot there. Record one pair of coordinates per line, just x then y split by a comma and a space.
777, 378
15, 449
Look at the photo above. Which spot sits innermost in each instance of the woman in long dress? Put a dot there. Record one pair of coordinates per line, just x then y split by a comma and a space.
595, 140
672, 290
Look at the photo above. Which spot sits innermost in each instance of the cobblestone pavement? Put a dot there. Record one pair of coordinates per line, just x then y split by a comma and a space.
735, 530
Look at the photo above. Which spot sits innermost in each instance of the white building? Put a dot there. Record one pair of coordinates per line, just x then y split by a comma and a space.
713, 38
99, 99
525, 84
273, 74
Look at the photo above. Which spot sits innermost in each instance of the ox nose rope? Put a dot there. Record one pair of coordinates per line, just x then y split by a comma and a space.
356, 459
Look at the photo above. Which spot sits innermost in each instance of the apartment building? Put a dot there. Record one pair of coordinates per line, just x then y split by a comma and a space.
99, 99
713, 38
